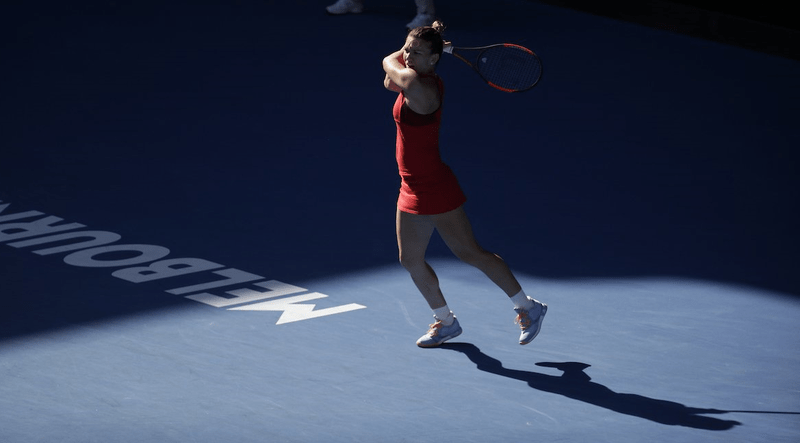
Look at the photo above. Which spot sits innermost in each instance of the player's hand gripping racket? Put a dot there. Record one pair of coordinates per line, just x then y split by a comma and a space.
507, 67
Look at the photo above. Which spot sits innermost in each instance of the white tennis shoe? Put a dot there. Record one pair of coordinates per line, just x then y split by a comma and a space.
346, 7
530, 321
439, 333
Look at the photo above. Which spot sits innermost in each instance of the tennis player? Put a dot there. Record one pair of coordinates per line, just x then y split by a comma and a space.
430, 196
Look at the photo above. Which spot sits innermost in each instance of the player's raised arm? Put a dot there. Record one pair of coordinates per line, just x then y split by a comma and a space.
411, 70
387, 81
397, 73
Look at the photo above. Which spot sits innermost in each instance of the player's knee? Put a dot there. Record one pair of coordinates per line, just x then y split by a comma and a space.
410, 262
474, 257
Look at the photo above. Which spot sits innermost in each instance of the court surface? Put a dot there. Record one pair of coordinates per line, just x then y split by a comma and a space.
181, 181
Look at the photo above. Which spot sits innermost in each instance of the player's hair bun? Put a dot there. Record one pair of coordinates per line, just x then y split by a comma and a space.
438, 26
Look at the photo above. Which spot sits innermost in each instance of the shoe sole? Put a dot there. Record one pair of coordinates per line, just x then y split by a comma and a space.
451, 336
352, 11
539, 329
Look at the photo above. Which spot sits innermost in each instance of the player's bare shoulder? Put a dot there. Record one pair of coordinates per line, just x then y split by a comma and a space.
423, 95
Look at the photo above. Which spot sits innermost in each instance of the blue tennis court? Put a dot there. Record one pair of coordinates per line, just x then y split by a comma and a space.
197, 243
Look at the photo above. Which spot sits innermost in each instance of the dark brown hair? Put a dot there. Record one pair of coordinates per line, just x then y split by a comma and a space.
431, 34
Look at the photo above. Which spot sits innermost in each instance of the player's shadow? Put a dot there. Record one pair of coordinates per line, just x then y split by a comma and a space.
576, 384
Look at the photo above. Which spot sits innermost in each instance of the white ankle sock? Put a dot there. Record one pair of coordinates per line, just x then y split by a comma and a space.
444, 315
522, 301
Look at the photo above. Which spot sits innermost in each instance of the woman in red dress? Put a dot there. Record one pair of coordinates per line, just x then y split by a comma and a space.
430, 196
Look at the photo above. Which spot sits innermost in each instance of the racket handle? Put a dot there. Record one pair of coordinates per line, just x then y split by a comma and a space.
448, 47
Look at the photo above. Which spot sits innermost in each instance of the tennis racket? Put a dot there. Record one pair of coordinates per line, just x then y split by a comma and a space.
506, 66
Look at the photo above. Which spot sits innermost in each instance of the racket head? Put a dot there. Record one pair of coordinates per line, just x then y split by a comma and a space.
507, 67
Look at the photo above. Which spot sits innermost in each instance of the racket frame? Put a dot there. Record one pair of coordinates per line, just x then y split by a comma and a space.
454, 51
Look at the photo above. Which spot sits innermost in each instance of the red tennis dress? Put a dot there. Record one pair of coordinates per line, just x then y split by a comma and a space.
428, 185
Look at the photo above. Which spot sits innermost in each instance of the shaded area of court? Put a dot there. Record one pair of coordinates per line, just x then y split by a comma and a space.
646, 190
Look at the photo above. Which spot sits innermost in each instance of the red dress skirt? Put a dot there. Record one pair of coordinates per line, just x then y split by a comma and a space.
428, 186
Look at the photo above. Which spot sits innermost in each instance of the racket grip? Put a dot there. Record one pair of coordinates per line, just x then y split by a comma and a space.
448, 47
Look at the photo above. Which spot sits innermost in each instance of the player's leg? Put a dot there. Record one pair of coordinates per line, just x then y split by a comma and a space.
456, 231
413, 235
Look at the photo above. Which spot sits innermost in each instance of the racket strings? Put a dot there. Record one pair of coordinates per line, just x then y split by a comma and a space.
509, 67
